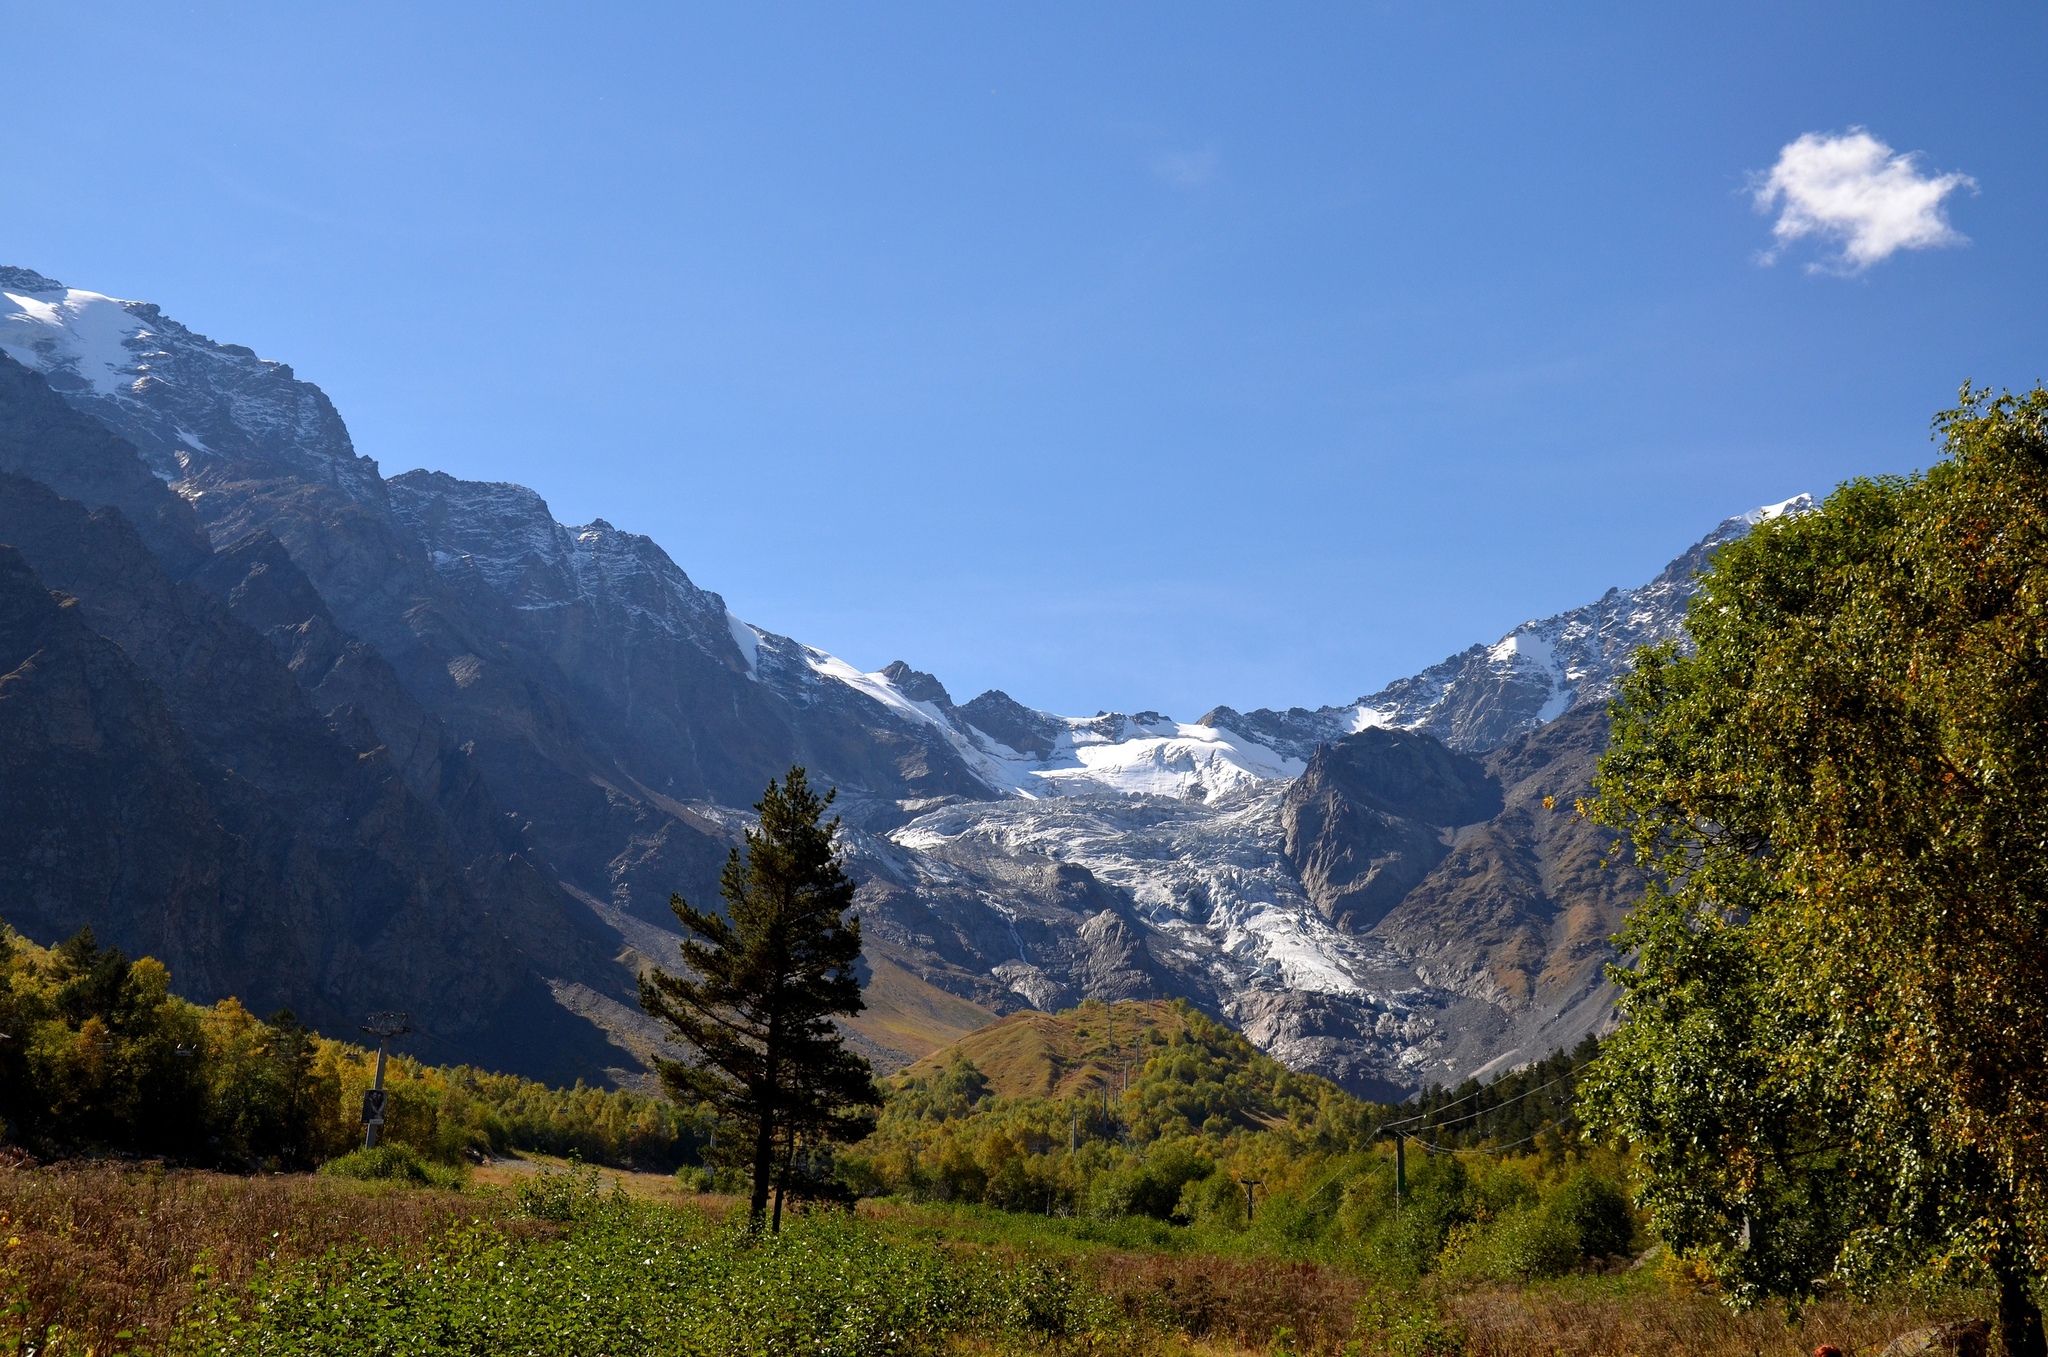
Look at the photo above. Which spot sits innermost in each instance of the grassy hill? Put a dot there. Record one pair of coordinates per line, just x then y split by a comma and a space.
1090, 1049
907, 1017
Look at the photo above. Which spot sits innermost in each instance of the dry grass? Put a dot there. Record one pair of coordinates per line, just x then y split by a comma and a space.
1030, 1054
104, 1250
1539, 1323
906, 1014
1233, 1300
661, 1188
110, 1250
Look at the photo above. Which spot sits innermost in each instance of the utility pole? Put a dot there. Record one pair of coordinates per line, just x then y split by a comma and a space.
1111, 1009
1249, 1184
383, 1026
1400, 1169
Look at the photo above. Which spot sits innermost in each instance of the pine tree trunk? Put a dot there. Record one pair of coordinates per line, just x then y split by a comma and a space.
764, 1170
776, 1228
2019, 1318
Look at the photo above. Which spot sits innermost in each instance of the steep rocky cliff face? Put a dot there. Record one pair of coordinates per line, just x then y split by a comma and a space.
412, 742
1373, 813
282, 855
1518, 907
44, 440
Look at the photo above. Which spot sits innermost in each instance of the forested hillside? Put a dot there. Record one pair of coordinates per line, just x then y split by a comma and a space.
100, 1056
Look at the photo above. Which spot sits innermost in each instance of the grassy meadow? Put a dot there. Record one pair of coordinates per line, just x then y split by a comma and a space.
1048, 1183
103, 1258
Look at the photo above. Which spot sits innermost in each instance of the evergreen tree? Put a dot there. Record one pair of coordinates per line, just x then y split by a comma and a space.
762, 986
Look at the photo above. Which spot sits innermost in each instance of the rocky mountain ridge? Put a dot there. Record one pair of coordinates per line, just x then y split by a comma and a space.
1365, 889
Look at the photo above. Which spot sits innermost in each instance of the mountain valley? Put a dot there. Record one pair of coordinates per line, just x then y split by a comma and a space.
337, 741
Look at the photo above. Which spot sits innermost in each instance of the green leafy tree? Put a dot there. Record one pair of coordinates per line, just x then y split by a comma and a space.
1836, 1055
763, 984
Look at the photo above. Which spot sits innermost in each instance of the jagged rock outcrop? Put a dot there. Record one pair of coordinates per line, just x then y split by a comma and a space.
1370, 817
1521, 909
1016, 725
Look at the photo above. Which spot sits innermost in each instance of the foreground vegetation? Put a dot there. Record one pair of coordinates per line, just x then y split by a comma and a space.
108, 1260
99, 1055
1834, 1064
1086, 1192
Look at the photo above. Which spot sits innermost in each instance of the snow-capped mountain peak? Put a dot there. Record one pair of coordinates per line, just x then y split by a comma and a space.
90, 339
1487, 694
1798, 504
187, 403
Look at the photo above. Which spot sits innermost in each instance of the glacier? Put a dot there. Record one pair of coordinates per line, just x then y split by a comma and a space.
1077, 855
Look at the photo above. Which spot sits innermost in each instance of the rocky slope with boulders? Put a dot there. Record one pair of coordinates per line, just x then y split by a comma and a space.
325, 738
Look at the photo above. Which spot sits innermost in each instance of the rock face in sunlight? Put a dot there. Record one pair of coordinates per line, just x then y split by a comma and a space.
411, 737
1373, 813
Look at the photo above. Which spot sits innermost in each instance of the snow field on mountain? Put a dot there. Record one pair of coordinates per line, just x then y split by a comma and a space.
1209, 877
83, 333
749, 642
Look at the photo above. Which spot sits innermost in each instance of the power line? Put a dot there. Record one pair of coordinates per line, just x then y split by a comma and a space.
1479, 1093
1442, 1125
1506, 1102
1486, 1149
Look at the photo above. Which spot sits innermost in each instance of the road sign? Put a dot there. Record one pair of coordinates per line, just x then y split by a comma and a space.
373, 1107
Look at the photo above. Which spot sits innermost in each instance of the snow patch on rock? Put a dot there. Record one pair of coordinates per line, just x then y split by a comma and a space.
93, 339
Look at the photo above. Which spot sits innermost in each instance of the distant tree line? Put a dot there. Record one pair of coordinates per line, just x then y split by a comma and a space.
1533, 1106
97, 1055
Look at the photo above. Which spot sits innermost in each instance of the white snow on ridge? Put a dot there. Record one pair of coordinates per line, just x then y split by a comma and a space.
1147, 755
875, 686
1798, 504
1164, 759
95, 338
749, 642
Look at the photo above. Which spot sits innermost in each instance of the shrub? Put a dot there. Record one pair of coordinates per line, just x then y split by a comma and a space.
1525, 1243
393, 1164
1597, 1211
569, 1194
1152, 1186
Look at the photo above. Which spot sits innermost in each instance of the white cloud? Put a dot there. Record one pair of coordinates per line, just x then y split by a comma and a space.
1855, 191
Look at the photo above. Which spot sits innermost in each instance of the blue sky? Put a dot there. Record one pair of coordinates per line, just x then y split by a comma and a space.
1135, 356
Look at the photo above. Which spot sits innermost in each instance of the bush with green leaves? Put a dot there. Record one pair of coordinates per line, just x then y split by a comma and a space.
574, 1193
393, 1164
629, 1277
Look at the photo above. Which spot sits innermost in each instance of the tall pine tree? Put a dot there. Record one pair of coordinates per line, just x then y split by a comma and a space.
762, 985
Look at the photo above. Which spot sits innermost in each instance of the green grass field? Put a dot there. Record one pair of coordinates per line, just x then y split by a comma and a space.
105, 1260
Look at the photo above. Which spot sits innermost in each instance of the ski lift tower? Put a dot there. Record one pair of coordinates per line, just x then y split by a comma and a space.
383, 1026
